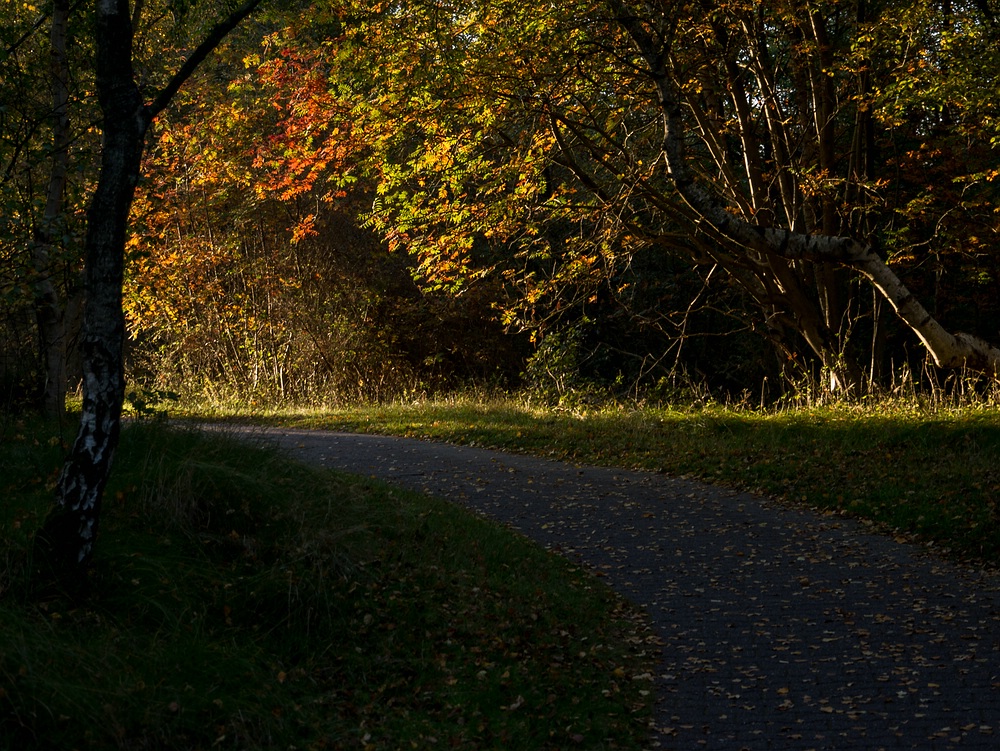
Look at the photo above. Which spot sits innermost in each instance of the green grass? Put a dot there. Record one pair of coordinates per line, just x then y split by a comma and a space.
930, 475
241, 601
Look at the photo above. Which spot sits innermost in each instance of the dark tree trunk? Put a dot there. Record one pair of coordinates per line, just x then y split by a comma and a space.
65, 544
49, 313
67, 538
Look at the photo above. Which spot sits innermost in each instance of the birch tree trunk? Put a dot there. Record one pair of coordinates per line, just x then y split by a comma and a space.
68, 535
66, 541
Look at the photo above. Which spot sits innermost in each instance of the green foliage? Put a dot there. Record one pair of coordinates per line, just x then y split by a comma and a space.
554, 374
356, 202
529, 151
27, 128
150, 403
944, 120
241, 600
252, 273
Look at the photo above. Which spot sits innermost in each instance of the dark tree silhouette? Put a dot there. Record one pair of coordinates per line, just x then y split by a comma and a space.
65, 543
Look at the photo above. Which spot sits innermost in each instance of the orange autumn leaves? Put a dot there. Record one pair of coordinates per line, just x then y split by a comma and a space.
311, 147
238, 175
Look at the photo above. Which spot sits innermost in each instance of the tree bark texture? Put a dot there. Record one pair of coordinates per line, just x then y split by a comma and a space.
68, 535
49, 312
66, 540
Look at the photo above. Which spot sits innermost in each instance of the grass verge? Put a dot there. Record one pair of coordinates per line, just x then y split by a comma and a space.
932, 476
242, 601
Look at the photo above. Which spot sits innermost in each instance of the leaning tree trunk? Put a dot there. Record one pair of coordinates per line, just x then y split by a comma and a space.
948, 350
67, 538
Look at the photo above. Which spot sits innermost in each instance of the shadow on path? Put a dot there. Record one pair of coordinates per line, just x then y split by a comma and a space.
781, 629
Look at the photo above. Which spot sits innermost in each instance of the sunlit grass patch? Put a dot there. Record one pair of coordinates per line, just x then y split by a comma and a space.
929, 473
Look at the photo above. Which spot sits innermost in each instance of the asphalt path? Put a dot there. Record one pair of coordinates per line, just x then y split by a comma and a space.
781, 629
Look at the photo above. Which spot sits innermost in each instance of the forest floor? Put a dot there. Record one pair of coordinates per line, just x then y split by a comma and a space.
780, 627
808, 578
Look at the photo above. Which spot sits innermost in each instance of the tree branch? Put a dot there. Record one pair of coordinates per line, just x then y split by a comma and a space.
214, 38
948, 350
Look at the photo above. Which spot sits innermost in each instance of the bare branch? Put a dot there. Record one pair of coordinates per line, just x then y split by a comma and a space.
214, 38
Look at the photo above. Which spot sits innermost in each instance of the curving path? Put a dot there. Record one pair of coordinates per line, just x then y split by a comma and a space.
781, 629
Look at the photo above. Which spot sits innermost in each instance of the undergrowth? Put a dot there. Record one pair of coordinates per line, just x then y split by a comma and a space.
242, 601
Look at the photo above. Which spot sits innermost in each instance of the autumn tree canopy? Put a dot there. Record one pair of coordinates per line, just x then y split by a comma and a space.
359, 200
805, 155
